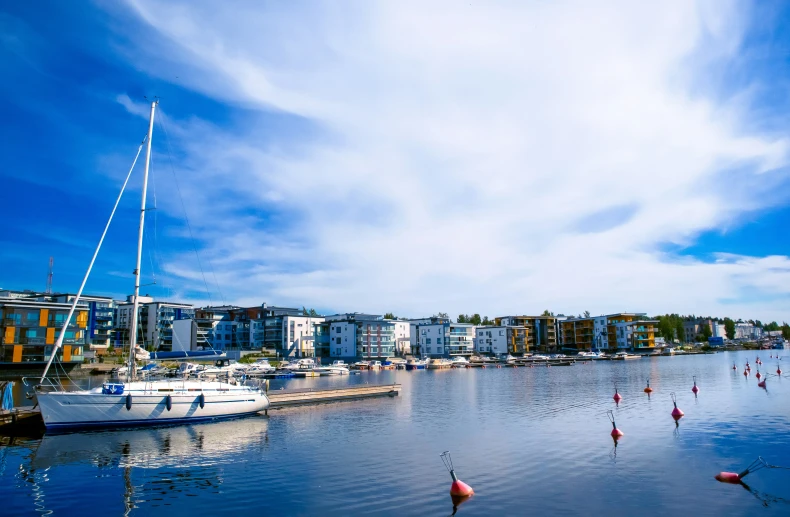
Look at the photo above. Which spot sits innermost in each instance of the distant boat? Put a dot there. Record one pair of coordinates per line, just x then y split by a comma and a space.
621, 356
133, 402
415, 364
338, 367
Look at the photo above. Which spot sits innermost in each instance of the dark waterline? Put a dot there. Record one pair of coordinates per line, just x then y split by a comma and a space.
529, 440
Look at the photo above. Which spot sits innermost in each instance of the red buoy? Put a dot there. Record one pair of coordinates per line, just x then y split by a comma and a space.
616, 433
761, 384
677, 414
728, 477
648, 389
617, 397
778, 370
758, 375
734, 367
746, 372
695, 389
458, 488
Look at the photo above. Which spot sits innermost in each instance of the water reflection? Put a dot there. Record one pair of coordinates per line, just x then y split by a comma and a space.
185, 459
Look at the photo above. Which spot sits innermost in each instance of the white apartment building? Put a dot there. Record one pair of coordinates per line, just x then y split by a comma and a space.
298, 336
402, 337
414, 332
154, 324
356, 335
446, 339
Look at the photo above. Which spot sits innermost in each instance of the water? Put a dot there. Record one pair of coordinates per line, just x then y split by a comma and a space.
529, 440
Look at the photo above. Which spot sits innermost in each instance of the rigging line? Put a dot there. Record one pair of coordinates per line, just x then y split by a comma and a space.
73, 307
186, 217
156, 255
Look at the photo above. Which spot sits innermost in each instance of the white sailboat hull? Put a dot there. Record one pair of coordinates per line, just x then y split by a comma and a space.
148, 405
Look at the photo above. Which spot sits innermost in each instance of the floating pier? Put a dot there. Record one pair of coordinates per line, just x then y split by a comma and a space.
285, 398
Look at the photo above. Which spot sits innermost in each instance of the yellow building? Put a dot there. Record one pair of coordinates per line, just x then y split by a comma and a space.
610, 332
541, 330
29, 330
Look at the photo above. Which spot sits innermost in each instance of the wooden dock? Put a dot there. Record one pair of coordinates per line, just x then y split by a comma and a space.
285, 398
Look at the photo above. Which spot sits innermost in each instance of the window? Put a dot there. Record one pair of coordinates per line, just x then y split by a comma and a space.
501, 332
338, 341
338, 330
427, 341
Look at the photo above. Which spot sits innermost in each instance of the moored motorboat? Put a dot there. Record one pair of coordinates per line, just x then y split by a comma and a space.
415, 364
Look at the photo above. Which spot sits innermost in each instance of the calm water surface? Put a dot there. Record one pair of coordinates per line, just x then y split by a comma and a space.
529, 440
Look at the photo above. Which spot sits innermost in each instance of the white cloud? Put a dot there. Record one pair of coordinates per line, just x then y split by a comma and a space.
459, 146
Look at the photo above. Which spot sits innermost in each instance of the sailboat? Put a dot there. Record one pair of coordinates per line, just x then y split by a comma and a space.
137, 402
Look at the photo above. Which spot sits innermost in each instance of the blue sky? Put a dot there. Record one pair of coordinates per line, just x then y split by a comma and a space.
377, 156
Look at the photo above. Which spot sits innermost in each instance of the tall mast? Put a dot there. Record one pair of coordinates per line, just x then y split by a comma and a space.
133, 329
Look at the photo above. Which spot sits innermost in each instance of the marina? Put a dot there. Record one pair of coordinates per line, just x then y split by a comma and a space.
543, 426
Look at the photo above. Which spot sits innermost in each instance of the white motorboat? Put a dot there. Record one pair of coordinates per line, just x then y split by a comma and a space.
135, 402
459, 362
261, 366
439, 364
225, 367
622, 356
302, 364
336, 368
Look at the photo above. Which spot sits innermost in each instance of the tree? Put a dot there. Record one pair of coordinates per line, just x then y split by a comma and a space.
680, 331
304, 311
390, 316
462, 318
586, 314
786, 331
547, 313
475, 319
309, 312
771, 326
729, 328
487, 321
706, 332
441, 315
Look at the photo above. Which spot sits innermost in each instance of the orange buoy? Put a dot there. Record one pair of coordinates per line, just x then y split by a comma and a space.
458, 488
648, 389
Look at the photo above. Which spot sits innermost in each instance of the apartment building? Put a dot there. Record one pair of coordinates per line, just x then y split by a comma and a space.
609, 332
355, 335
501, 341
446, 339
154, 322
30, 328
541, 330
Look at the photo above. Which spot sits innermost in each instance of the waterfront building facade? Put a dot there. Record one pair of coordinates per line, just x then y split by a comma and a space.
155, 322
608, 332
446, 339
415, 343
356, 335
101, 313
541, 330
402, 337
500, 340
30, 328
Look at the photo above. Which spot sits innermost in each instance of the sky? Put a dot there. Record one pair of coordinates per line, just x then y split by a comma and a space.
408, 157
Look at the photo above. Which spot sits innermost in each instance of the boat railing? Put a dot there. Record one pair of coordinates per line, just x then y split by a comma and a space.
49, 384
